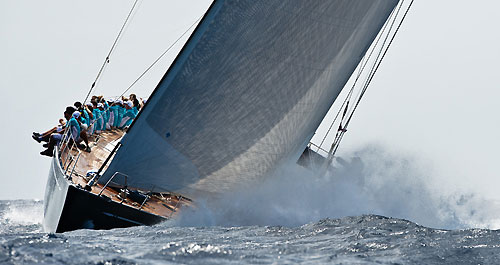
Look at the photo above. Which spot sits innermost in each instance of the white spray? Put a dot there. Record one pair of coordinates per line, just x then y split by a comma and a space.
22, 212
372, 181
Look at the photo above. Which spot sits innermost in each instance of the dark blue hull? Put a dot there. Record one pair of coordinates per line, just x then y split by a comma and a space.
68, 207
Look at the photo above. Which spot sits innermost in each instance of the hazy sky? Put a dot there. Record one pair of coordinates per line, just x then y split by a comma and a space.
434, 98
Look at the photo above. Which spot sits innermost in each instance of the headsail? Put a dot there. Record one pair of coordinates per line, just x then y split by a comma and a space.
247, 92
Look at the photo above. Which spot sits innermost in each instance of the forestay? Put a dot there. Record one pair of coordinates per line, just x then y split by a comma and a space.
247, 92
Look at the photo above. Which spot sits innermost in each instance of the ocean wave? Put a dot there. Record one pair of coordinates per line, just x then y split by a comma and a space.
352, 239
21, 212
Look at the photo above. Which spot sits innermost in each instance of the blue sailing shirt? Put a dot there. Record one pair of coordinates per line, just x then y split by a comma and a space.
129, 114
98, 120
87, 117
135, 110
121, 112
83, 120
112, 109
74, 128
106, 115
115, 113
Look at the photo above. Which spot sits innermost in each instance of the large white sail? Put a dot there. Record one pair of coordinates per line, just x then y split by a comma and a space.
247, 92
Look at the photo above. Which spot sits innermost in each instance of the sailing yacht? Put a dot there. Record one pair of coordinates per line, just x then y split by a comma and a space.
245, 95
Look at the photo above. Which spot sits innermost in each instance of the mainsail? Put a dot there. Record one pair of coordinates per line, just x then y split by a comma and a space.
247, 92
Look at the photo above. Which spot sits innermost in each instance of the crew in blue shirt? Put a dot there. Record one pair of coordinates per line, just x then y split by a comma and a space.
119, 113
128, 116
94, 117
74, 126
84, 111
102, 116
55, 138
97, 118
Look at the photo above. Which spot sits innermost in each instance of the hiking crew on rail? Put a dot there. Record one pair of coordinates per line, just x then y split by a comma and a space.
82, 121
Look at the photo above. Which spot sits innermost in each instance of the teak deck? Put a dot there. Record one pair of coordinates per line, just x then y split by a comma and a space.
162, 204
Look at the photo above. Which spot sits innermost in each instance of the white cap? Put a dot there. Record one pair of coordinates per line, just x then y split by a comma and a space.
88, 104
99, 105
130, 104
76, 114
119, 101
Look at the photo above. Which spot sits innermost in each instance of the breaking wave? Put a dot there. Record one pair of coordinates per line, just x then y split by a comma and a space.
22, 212
370, 181
20, 215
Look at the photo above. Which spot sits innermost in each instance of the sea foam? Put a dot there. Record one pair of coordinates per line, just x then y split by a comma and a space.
368, 181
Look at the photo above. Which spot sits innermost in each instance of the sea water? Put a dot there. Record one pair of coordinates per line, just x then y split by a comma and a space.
364, 213
364, 239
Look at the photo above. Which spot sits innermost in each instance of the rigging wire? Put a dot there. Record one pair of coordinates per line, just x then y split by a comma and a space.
338, 139
362, 68
96, 177
157, 59
106, 61
161, 56
341, 131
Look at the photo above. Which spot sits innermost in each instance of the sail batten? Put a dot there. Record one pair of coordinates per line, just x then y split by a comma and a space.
247, 92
